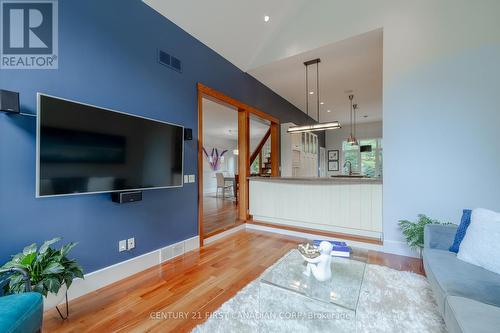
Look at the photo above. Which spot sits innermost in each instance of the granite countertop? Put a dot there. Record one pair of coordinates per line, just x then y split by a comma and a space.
319, 180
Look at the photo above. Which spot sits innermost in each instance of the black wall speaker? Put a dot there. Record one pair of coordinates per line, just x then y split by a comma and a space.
188, 134
126, 197
9, 101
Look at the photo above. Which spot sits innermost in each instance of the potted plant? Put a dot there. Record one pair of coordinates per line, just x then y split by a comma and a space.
50, 271
414, 231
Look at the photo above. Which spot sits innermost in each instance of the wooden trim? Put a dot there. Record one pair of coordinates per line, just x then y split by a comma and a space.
200, 167
243, 158
355, 238
263, 115
275, 150
215, 96
259, 146
220, 97
244, 111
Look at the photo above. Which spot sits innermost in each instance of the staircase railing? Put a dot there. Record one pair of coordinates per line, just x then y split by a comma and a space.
265, 159
260, 146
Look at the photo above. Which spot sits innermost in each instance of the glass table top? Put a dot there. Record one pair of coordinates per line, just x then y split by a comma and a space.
342, 290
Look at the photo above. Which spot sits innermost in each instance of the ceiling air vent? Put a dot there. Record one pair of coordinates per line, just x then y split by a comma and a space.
170, 61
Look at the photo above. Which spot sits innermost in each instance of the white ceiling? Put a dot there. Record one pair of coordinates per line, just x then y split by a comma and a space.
273, 52
221, 122
352, 64
233, 28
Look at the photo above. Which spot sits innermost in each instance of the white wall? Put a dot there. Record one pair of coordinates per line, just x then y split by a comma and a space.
228, 166
441, 97
286, 150
334, 139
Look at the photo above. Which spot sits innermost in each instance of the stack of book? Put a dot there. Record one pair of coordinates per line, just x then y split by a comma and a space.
340, 249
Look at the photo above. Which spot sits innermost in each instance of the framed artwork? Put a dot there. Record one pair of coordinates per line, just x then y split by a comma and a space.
333, 165
333, 155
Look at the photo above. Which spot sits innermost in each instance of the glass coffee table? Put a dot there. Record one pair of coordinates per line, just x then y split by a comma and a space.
287, 294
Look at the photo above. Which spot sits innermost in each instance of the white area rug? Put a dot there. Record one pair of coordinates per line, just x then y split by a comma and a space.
390, 301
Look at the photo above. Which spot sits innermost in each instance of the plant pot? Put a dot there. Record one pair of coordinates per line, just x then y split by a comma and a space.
52, 300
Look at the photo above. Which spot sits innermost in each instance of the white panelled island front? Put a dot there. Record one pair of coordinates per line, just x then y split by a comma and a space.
347, 205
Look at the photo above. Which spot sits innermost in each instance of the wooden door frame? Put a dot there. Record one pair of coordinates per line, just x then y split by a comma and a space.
244, 111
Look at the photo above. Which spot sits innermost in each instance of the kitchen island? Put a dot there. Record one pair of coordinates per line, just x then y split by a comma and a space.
347, 205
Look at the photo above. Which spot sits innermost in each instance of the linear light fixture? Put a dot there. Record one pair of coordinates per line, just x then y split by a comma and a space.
315, 127
319, 126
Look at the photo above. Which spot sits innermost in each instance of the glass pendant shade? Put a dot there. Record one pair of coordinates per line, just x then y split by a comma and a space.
352, 140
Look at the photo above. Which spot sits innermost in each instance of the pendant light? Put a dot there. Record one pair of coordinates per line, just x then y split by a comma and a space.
352, 136
354, 117
319, 126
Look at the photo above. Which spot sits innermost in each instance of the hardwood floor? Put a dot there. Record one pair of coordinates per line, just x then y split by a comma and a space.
193, 285
218, 214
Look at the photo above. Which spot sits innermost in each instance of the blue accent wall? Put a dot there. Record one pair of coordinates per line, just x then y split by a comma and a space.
108, 57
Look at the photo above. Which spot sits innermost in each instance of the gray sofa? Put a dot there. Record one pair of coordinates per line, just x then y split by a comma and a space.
468, 296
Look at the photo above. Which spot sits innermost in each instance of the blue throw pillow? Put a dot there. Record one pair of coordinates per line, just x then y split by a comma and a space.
462, 229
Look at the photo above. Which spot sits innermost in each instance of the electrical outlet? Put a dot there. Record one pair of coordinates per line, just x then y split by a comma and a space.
122, 245
191, 178
131, 243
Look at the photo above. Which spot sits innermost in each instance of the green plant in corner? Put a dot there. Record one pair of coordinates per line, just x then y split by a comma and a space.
414, 231
47, 268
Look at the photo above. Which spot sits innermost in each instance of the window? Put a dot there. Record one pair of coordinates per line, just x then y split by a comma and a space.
254, 168
367, 163
351, 154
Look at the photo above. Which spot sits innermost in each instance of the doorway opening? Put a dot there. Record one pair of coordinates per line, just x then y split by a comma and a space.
235, 141
220, 167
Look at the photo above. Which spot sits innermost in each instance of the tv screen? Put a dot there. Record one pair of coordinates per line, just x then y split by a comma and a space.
86, 149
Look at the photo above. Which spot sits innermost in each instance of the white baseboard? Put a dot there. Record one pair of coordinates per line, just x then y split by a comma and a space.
400, 248
105, 276
224, 234
307, 235
389, 246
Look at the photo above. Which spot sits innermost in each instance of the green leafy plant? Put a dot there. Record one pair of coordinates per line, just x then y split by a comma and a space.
47, 268
414, 231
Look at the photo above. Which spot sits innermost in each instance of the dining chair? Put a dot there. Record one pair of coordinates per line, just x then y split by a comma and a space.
221, 184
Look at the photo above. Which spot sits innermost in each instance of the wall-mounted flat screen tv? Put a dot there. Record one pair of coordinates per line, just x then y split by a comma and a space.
84, 149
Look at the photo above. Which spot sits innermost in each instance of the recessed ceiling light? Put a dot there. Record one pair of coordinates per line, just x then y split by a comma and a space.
266, 18
321, 103
311, 93
328, 110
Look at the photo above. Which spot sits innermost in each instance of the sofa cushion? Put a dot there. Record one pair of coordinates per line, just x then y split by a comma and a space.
464, 315
457, 278
461, 230
439, 293
481, 244
21, 313
439, 236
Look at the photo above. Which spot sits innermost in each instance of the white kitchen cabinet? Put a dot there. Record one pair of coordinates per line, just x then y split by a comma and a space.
299, 153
